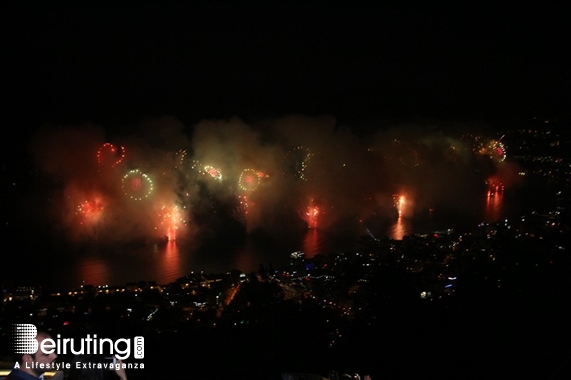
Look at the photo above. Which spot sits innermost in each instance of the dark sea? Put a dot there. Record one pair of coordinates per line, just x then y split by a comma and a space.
37, 260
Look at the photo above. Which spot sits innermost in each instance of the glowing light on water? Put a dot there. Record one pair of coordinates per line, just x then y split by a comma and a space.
398, 230
494, 187
494, 206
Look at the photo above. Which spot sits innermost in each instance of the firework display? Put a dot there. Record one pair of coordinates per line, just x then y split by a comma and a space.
497, 150
213, 172
400, 203
250, 179
137, 185
90, 211
311, 214
109, 156
171, 219
492, 148
242, 212
301, 156
171, 193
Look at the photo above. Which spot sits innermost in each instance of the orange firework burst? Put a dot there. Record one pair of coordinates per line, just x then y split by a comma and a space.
90, 211
400, 203
170, 220
312, 216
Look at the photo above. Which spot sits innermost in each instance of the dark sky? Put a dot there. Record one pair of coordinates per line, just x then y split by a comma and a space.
118, 62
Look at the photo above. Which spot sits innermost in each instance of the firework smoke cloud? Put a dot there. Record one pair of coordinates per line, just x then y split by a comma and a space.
165, 180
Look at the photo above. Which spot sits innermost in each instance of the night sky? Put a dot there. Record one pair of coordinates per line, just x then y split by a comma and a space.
115, 63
